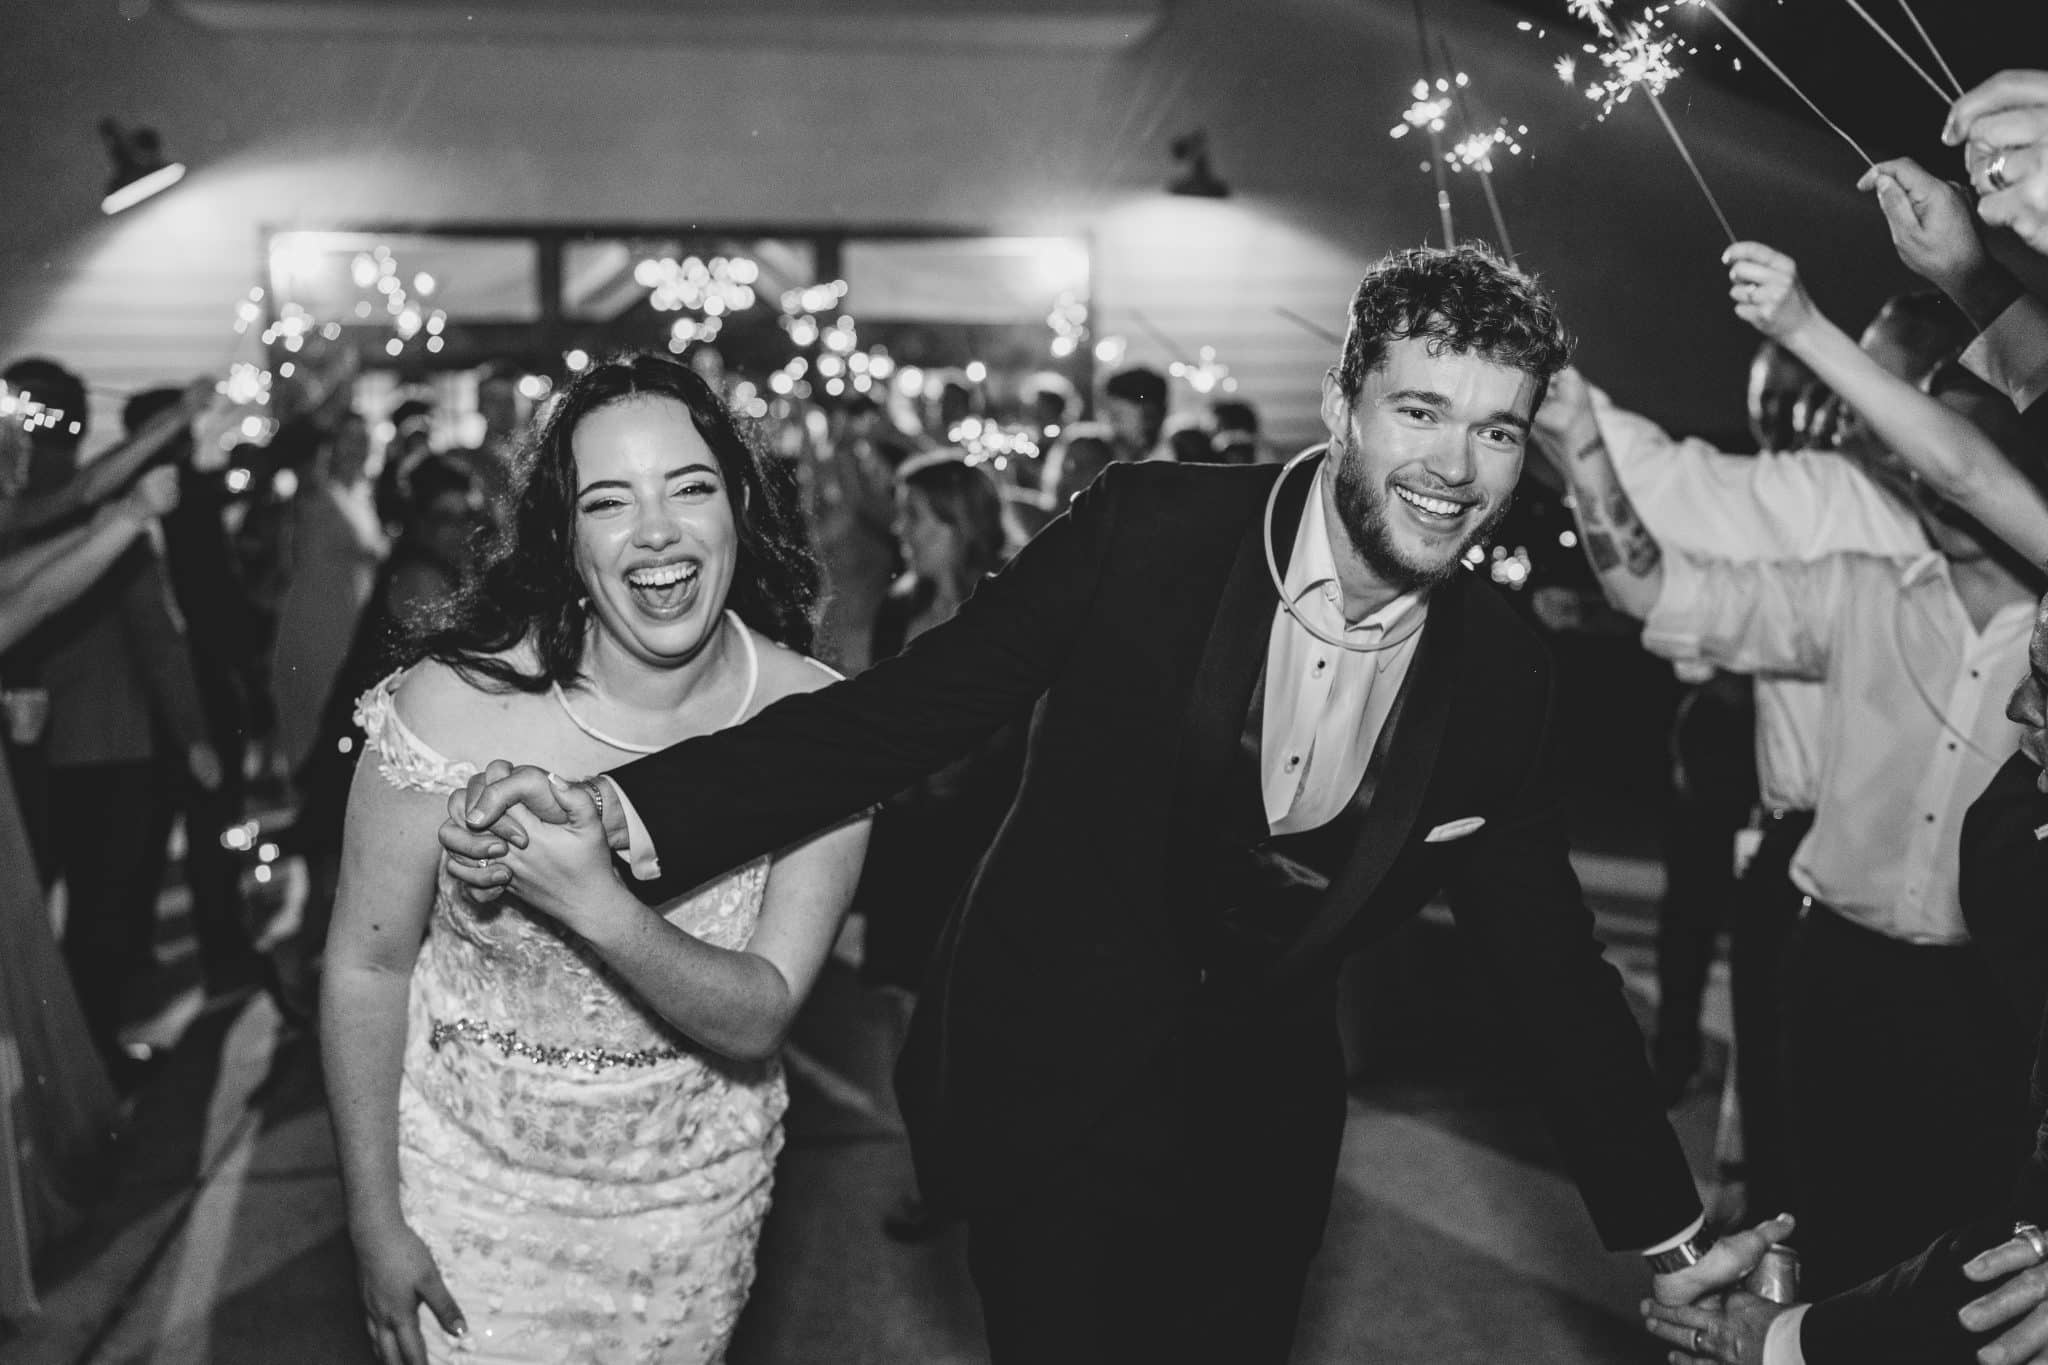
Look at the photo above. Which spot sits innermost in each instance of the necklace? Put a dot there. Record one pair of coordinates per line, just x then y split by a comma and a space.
746, 702
1280, 588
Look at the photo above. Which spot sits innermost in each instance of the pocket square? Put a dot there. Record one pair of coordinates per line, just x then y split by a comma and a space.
1454, 829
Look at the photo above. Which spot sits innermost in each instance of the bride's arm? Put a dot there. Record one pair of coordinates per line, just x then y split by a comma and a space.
739, 1003
389, 862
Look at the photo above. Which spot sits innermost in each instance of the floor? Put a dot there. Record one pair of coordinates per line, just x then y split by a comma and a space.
1453, 1236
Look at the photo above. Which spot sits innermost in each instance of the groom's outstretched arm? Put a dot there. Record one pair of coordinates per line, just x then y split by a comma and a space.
1518, 902
809, 760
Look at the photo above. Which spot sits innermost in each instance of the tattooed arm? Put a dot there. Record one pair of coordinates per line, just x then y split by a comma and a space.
1625, 556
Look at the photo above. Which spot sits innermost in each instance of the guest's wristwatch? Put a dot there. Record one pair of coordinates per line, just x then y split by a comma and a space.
1684, 1256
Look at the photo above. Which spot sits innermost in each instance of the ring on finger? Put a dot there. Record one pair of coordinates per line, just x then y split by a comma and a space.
1699, 1341
2034, 1238
1994, 173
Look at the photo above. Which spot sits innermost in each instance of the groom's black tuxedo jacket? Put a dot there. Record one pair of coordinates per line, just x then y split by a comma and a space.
1138, 625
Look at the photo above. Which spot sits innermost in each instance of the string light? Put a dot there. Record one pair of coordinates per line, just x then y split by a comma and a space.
715, 287
1069, 322
1207, 375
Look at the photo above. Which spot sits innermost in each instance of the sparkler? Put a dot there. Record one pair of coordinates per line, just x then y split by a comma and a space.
1940, 60
1692, 166
1637, 60
1779, 72
1427, 113
1435, 129
1313, 328
1881, 31
1475, 149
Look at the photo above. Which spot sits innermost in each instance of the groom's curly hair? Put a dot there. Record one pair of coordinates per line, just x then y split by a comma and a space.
1465, 299
528, 588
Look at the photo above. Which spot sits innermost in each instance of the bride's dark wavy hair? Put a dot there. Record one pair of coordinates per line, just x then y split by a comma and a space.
528, 587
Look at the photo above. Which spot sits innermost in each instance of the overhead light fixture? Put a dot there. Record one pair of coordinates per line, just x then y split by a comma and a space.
1196, 177
140, 169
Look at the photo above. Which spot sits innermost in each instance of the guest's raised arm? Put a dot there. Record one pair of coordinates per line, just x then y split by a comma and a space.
1625, 557
1956, 458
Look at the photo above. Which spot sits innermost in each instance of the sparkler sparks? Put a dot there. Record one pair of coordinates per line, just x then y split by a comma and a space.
20, 406
1636, 59
1567, 69
1475, 150
1427, 112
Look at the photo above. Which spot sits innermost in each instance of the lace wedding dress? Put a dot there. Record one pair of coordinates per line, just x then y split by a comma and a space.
590, 1182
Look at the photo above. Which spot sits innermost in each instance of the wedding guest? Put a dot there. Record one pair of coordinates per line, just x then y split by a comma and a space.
1086, 449
1134, 409
1190, 445
1234, 425
28, 515
929, 838
851, 501
123, 696
222, 633
336, 544
563, 1116
1978, 1294
441, 517
1884, 992
1792, 500
60, 1108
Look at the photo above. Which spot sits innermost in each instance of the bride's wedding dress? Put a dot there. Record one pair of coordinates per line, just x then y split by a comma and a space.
590, 1182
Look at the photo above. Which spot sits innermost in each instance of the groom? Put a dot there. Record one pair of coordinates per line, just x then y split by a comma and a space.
1125, 1070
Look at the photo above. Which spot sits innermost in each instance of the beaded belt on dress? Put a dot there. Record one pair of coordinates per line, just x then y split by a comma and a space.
510, 1044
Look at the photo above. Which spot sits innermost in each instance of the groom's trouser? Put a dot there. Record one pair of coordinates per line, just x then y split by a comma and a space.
1121, 1259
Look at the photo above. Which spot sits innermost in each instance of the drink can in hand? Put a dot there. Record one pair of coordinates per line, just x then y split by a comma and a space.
1776, 1277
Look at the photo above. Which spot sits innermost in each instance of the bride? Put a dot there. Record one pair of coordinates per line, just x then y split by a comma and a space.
557, 1123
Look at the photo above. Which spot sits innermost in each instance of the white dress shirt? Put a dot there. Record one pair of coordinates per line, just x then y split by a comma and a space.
1781, 1342
2011, 354
1798, 505
1913, 713
1325, 706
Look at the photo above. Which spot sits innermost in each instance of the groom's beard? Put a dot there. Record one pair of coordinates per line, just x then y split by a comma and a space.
1363, 507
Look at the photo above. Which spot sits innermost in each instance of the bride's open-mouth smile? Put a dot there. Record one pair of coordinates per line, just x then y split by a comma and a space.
666, 588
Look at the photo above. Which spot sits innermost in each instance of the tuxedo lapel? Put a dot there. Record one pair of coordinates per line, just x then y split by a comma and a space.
1395, 781
1234, 654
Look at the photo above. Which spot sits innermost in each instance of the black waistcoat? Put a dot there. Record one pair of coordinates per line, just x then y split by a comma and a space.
1265, 887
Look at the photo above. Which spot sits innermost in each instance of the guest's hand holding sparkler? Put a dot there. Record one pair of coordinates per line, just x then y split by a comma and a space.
2002, 126
1767, 292
1937, 238
1946, 442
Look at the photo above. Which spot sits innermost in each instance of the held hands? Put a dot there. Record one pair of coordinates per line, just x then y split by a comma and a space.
1768, 295
480, 828
2020, 1305
556, 861
1687, 1313
396, 1274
